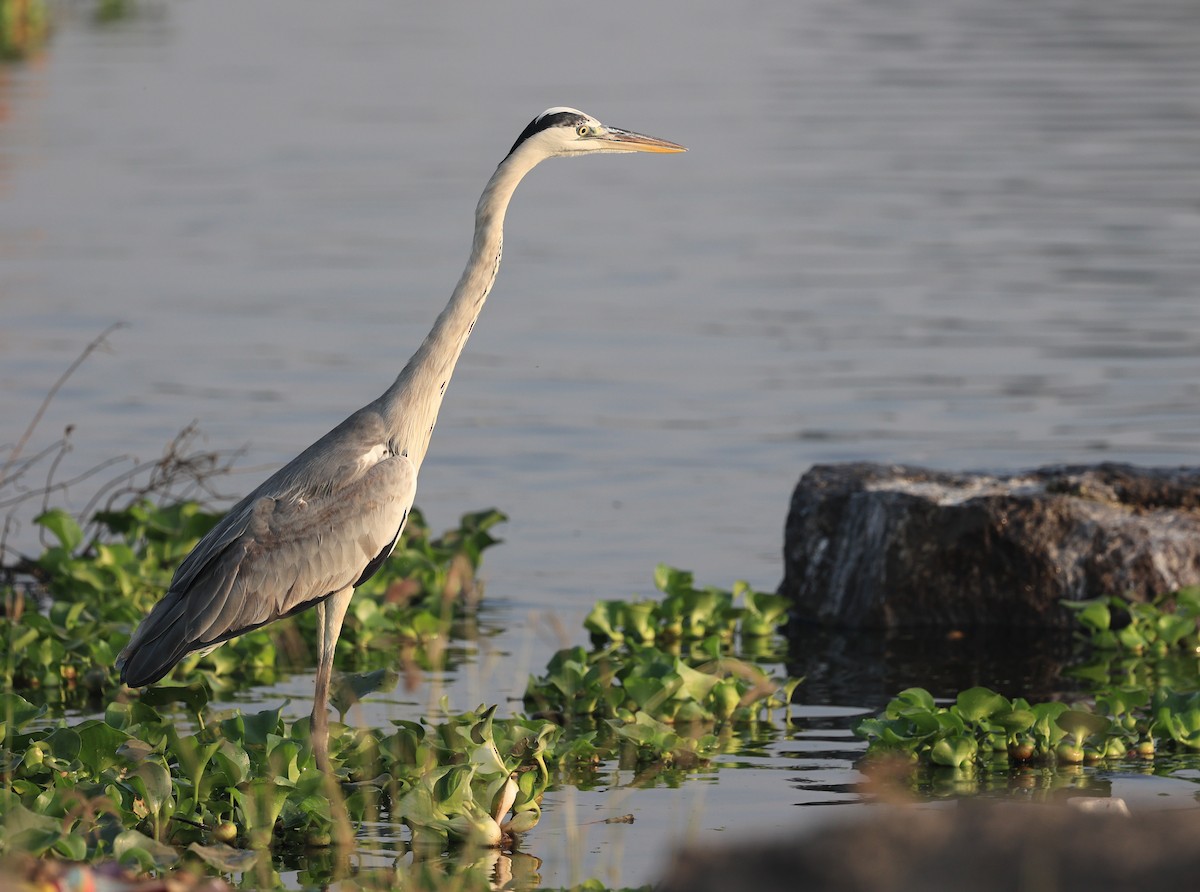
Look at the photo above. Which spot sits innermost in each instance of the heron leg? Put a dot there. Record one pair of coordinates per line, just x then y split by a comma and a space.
330, 614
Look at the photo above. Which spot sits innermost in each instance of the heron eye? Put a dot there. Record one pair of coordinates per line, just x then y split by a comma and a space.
583, 130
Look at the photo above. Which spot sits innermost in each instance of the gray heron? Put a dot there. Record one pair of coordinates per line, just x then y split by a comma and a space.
324, 523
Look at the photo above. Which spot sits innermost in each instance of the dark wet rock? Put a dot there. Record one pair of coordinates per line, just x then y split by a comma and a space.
892, 546
973, 846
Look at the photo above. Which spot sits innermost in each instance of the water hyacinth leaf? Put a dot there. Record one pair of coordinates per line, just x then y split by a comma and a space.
1014, 721
1045, 726
192, 755
98, 744
1116, 748
225, 858
405, 745
688, 712
427, 626
62, 526
32, 840
913, 697
1093, 614
72, 847
527, 790
640, 619
350, 689
669, 580
502, 794
1183, 726
603, 621
522, 822
260, 724
474, 830
233, 762
1080, 725
453, 790
283, 755
1172, 628
765, 612
645, 730
134, 750
418, 807
649, 693
194, 696
134, 847
1119, 701
725, 698
1133, 638
954, 751
693, 684
16, 712
64, 743
153, 783
260, 803
869, 727
978, 704
27, 831
1187, 601
141, 713
949, 722
315, 809
481, 728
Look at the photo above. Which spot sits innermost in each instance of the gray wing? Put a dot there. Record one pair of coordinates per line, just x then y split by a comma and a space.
325, 521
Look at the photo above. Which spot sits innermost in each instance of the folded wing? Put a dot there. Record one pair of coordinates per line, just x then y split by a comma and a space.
314, 528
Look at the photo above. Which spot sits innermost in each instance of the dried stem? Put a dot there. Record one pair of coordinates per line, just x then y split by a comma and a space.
101, 340
180, 473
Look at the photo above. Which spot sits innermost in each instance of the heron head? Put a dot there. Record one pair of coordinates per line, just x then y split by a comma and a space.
568, 131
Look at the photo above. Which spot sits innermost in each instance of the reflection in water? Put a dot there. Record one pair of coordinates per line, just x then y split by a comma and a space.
868, 667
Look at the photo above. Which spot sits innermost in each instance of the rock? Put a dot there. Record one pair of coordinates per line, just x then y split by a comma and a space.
894, 546
971, 846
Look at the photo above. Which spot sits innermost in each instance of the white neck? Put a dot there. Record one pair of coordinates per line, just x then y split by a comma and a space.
410, 406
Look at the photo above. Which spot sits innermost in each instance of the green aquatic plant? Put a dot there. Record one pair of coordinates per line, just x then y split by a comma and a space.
158, 779
24, 28
982, 724
1143, 671
1168, 623
663, 700
132, 787
1134, 649
687, 613
80, 599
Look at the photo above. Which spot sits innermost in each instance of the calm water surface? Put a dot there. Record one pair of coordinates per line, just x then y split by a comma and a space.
949, 232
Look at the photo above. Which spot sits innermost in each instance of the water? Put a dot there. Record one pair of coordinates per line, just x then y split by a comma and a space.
948, 232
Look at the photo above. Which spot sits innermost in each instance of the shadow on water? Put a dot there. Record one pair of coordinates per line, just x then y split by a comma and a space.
867, 667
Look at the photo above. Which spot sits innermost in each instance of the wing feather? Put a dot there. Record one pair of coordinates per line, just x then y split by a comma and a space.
324, 522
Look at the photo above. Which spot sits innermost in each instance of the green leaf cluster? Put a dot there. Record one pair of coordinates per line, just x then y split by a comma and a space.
1157, 628
638, 680
152, 790
983, 726
687, 613
65, 627
131, 787
979, 725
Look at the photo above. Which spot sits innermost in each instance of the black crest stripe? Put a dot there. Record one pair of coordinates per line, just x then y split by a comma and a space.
544, 122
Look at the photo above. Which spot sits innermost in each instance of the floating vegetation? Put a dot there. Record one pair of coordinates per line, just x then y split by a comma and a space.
661, 665
1144, 675
24, 27
134, 788
160, 779
67, 618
